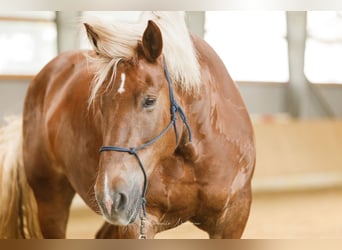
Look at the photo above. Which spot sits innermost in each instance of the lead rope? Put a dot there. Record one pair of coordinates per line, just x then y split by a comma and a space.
133, 151
143, 222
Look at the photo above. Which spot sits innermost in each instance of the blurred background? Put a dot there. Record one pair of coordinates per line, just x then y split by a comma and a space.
288, 67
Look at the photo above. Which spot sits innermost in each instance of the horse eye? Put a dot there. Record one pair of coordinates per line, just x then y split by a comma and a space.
149, 102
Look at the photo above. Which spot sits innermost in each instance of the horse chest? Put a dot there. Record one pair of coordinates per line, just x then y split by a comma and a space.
172, 187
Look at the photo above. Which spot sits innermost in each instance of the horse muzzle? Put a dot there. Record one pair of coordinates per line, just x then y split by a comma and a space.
120, 205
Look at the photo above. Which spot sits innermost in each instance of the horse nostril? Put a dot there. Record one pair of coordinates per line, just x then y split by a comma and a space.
119, 202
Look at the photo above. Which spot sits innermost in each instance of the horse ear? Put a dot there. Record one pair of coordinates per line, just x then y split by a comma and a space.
152, 42
92, 36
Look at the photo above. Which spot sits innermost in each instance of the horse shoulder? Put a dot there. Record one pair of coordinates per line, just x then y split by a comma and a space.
220, 95
221, 121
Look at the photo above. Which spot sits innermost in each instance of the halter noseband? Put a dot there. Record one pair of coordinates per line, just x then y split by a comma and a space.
134, 151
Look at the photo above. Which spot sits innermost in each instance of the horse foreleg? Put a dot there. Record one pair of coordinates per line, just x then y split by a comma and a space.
132, 231
108, 231
54, 197
231, 221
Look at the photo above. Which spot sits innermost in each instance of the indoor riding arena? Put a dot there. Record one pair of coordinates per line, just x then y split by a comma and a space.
287, 68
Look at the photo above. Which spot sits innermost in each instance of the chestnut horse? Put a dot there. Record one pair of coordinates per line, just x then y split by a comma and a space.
149, 129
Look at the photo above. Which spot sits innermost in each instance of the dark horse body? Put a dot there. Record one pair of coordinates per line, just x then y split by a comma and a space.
207, 181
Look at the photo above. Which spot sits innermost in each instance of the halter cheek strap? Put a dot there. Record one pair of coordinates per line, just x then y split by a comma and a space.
175, 108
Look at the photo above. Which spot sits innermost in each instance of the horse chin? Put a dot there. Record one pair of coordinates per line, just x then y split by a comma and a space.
121, 221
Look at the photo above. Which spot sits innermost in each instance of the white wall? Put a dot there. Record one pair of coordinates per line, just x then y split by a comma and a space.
12, 94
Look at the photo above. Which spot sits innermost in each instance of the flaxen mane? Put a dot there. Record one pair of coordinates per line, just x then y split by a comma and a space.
119, 41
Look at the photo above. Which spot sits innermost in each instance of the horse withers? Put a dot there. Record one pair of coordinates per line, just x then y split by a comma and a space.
148, 128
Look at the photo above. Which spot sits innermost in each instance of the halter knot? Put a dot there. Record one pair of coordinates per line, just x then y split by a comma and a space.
131, 151
174, 108
143, 200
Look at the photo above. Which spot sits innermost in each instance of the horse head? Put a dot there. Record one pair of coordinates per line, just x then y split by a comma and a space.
139, 125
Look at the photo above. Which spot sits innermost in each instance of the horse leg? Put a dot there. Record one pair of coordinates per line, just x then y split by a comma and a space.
132, 231
230, 222
54, 195
109, 231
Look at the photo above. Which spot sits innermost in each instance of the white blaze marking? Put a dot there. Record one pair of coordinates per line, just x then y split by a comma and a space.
108, 199
122, 83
